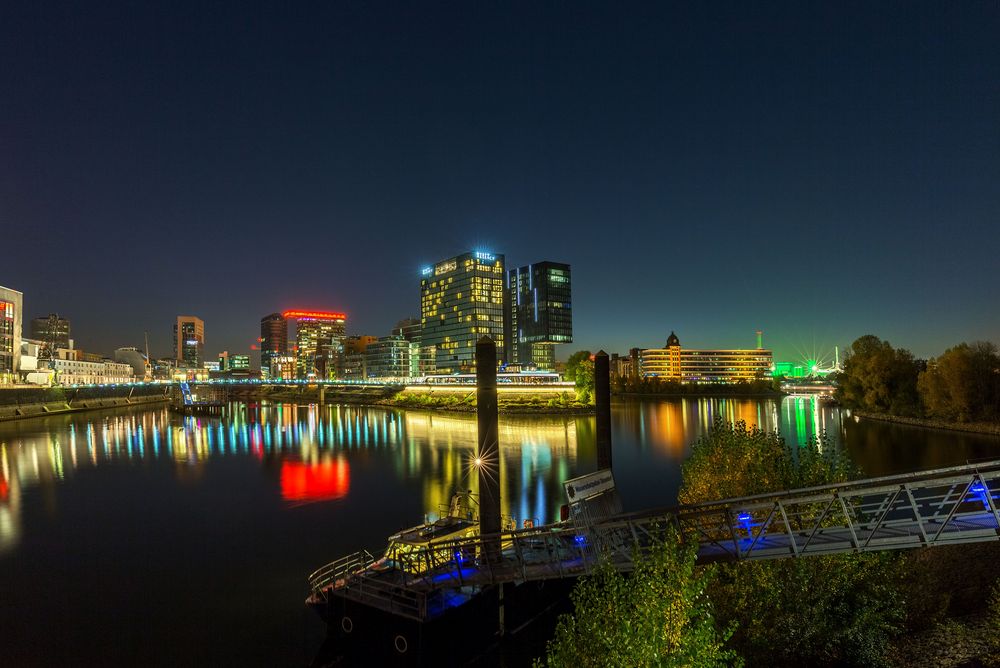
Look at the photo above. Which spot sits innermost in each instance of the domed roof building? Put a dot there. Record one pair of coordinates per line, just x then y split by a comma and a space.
705, 366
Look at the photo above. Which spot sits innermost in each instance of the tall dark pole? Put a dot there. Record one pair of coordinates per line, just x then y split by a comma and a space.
602, 399
488, 454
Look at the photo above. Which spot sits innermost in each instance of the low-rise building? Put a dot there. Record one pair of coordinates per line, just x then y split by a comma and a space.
72, 368
704, 366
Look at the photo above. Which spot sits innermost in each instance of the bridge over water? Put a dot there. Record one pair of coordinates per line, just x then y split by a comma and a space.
925, 509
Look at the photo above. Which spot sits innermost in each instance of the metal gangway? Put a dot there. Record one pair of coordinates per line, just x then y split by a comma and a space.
186, 395
945, 506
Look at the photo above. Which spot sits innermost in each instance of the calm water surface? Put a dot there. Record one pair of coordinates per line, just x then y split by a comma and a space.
143, 538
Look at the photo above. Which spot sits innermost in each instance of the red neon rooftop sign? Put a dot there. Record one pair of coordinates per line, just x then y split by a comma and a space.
314, 315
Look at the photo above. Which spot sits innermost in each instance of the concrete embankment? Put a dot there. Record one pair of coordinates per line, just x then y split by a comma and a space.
27, 402
520, 399
991, 428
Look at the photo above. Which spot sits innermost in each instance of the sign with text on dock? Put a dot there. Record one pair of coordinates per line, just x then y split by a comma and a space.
587, 486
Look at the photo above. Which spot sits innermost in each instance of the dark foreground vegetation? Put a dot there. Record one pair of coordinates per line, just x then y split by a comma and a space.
842, 610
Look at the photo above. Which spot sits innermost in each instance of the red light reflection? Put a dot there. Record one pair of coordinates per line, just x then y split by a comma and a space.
324, 481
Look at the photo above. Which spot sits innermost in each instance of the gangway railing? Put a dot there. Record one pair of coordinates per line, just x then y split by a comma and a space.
940, 507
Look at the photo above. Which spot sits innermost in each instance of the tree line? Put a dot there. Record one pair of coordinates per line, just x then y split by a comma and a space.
960, 385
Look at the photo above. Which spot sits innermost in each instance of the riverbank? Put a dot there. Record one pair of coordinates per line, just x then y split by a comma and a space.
990, 428
504, 407
710, 394
25, 403
518, 400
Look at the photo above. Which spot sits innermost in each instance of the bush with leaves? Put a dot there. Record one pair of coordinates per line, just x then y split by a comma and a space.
839, 609
658, 615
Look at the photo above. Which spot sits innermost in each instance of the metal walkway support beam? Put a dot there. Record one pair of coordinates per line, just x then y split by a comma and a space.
488, 453
602, 399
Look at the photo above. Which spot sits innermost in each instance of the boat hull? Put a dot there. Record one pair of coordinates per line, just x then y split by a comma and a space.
362, 635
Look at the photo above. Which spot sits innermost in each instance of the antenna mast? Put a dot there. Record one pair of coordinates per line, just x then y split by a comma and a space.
149, 367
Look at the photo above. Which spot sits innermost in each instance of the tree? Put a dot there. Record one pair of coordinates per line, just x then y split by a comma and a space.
573, 363
656, 616
585, 381
878, 377
580, 370
963, 384
836, 609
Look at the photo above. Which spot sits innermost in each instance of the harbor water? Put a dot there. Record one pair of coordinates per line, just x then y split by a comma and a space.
140, 537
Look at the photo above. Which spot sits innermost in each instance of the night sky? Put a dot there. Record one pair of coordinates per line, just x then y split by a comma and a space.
818, 171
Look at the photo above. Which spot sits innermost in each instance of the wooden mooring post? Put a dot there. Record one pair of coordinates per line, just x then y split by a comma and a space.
602, 400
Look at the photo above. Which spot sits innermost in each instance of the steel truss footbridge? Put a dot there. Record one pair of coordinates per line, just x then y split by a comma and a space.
947, 506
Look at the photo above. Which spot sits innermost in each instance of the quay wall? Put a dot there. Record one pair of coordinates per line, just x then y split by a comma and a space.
991, 428
26, 402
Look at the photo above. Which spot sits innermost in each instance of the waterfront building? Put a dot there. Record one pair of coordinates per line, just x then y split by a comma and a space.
32, 372
11, 302
357, 344
189, 341
134, 358
73, 367
212, 366
52, 331
539, 314
273, 339
388, 358
354, 367
282, 367
229, 362
704, 366
622, 367
421, 356
319, 342
461, 300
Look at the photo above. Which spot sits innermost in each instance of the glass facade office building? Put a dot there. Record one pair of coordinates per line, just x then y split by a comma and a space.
189, 341
462, 300
319, 342
539, 313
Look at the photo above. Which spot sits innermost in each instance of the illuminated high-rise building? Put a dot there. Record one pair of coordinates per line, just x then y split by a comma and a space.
462, 300
539, 313
319, 342
10, 334
189, 341
273, 340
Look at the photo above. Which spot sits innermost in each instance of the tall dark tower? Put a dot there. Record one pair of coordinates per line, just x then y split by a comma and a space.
539, 313
273, 339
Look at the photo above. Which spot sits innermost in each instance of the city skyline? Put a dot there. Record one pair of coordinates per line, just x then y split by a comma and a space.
815, 174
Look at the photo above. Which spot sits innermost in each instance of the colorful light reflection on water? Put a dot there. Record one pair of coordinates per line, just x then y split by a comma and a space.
268, 493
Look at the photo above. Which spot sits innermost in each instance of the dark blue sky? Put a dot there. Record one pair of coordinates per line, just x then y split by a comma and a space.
819, 171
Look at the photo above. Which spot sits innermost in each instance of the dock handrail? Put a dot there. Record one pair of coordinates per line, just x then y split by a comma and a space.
945, 506
341, 568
